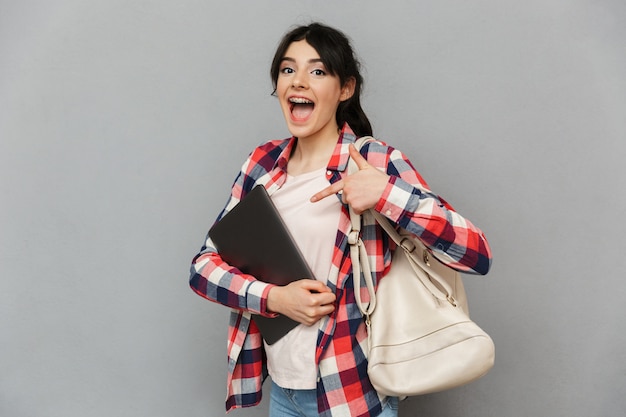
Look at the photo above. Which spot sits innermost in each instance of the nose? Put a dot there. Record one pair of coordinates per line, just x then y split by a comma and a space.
299, 80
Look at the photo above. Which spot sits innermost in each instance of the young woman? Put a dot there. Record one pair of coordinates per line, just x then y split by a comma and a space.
320, 368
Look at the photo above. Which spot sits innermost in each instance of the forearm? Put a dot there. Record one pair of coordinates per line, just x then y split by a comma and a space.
217, 281
455, 240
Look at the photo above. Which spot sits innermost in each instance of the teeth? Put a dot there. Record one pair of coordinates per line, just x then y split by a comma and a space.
300, 100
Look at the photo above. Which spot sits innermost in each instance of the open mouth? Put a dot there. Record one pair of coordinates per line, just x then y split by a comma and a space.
301, 108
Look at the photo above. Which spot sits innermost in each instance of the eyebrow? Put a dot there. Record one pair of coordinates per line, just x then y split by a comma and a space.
310, 61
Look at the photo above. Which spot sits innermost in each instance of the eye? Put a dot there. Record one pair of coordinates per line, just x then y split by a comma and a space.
286, 70
318, 72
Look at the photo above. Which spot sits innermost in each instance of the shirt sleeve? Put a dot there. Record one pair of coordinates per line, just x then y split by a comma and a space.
214, 279
408, 201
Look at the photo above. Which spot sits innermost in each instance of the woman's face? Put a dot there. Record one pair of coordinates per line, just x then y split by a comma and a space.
308, 94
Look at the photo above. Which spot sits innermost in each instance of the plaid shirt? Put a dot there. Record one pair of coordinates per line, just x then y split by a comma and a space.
343, 386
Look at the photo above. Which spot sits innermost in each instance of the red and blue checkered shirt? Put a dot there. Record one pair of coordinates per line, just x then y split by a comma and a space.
343, 386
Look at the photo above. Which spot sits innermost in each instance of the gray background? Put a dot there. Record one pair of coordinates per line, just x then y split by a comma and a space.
123, 124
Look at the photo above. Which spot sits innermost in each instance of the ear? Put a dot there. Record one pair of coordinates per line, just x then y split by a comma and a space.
348, 89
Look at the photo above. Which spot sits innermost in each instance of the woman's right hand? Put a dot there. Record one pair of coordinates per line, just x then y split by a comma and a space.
305, 301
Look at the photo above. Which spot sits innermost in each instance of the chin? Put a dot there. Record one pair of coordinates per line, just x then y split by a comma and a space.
298, 130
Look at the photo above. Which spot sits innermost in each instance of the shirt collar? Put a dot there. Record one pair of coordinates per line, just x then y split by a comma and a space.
339, 159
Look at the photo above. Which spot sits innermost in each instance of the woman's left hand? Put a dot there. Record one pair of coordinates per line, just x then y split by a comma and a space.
361, 190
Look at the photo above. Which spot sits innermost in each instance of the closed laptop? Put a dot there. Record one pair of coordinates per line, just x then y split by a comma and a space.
253, 238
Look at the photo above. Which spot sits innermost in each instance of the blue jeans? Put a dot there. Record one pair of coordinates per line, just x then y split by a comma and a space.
303, 403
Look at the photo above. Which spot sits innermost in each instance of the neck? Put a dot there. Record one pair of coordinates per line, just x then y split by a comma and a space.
311, 154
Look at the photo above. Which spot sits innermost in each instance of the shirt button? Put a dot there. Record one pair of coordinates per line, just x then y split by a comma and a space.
329, 172
388, 212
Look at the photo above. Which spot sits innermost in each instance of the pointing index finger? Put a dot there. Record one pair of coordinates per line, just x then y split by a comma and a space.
330, 190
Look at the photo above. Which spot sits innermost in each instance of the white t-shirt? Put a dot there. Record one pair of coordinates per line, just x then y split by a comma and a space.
291, 360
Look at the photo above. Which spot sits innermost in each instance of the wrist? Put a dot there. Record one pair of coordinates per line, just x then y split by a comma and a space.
265, 309
273, 303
